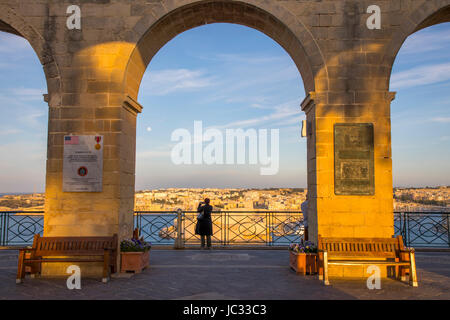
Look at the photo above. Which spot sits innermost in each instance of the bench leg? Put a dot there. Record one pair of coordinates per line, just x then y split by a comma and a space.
21, 267
401, 273
320, 266
106, 269
412, 271
401, 270
397, 269
325, 269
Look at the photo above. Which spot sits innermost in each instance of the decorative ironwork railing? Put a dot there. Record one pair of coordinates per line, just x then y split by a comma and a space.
423, 229
19, 228
158, 227
258, 228
266, 228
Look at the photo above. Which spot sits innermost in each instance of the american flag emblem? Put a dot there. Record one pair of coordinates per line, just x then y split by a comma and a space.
71, 140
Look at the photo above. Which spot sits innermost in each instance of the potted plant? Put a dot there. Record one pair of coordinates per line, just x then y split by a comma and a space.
134, 254
303, 257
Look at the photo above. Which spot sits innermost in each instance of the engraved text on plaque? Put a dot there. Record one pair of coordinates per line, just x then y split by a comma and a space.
354, 159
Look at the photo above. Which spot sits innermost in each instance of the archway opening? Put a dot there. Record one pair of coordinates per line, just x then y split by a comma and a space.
420, 132
221, 77
293, 37
23, 121
421, 116
23, 138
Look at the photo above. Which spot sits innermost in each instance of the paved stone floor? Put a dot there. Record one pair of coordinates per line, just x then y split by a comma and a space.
226, 274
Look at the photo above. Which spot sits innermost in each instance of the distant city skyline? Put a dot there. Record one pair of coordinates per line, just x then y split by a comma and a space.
231, 76
171, 199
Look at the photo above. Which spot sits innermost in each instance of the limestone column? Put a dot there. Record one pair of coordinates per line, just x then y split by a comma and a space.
93, 103
335, 212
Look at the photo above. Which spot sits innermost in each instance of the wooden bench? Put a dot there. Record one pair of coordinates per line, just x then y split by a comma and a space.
69, 249
366, 251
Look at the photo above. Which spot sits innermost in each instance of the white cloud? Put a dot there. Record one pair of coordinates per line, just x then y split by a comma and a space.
28, 94
7, 132
291, 120
33, 111
10, 43
419, 76
286, 113
254, 101
153, 154
426, 41
253, 79
163, 82
23, 166
441, 119
247, 58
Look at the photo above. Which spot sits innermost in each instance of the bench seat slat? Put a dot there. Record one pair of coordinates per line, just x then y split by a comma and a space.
69, 253
362, 254
364, 262
63, 260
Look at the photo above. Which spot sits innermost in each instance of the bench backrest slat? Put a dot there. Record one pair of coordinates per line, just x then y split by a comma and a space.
60, 246
366, 247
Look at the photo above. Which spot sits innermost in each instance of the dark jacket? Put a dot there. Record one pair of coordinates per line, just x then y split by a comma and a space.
204, 226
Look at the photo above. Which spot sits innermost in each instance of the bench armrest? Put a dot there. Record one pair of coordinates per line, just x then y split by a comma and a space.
26, 249
407, 250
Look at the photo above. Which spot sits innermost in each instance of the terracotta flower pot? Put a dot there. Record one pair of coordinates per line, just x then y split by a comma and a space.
305, 263
134, 261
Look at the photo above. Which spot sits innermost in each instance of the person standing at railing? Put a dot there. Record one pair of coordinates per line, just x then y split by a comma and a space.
304, 208
204, 223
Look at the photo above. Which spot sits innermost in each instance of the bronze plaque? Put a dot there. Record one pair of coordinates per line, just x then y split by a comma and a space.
354, 159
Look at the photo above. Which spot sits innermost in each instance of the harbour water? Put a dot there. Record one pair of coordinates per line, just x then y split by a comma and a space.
417, 229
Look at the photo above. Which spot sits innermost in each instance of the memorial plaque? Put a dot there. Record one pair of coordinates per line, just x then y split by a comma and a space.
83, 164
354, 159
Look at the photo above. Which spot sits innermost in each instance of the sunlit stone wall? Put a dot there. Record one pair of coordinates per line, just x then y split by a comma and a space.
93, 76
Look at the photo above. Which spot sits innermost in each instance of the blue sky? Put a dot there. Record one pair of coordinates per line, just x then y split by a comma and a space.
230, 76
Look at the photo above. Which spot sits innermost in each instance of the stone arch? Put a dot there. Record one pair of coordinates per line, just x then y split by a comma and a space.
268, 17
428, 14
13, 23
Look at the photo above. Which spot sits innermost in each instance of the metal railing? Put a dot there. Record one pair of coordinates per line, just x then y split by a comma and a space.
268, 228
256, 228
423, 229
263, 228
157, 227
17, 228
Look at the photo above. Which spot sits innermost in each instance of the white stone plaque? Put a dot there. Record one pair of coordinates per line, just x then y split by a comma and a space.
83, 164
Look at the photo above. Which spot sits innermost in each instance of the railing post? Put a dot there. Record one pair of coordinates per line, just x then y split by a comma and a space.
448, 229
179, 239
223, 227
402, 230
227, 231
136, 221
2, 231
267, 228
407, 229
5, 228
